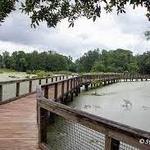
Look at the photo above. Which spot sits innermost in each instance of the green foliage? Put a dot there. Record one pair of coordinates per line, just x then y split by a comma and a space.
53, 11
144, 63
31, 62
41, 73
115, 61
147, 35
46, 63
85, 63
98, 67
6, 6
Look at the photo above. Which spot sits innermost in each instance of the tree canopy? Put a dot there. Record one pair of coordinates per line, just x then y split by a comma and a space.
114, 61
53, 11
47, 61
119, 60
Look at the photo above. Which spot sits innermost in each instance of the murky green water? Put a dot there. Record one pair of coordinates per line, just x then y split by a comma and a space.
125, 102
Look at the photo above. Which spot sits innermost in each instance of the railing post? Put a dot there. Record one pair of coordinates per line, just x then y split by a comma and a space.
71, 85
43, 125
111, 144
62, 89
63, 77
1, 92
68, 85
30, 86
46, 80
56, 91
52, 79
39, 81
59, 77
56, 78
17, 88
46, 91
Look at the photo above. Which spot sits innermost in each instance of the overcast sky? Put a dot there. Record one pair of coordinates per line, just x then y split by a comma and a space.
109, 32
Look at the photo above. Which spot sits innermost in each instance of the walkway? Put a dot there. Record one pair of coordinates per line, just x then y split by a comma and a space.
18, 126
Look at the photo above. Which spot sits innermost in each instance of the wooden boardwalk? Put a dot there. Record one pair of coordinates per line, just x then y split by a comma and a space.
18, 124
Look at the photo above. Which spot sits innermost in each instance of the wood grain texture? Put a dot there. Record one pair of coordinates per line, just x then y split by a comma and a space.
18, 124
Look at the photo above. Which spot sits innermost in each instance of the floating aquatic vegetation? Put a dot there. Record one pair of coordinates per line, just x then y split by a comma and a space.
127, 104
87, 106
146, 107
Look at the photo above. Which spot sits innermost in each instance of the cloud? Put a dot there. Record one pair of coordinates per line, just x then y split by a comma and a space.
108, 32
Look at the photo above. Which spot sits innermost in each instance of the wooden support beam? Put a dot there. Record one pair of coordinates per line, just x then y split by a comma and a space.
71, 96
86, 87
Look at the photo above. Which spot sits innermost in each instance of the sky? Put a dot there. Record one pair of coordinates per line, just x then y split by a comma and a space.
110, 32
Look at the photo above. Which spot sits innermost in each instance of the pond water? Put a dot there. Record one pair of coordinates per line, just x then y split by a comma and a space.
125, 102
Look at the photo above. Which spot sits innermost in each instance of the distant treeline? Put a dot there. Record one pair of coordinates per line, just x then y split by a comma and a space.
93, 61
47, 61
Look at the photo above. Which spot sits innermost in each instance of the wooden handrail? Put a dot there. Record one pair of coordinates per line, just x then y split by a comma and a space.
18, 84
24, 80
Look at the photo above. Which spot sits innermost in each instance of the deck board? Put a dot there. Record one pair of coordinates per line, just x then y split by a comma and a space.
18, 124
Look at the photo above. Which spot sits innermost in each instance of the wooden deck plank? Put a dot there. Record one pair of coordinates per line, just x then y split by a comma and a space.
18, 124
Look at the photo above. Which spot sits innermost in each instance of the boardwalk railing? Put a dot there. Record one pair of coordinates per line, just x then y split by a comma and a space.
62, 127
10, 90
65, 128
